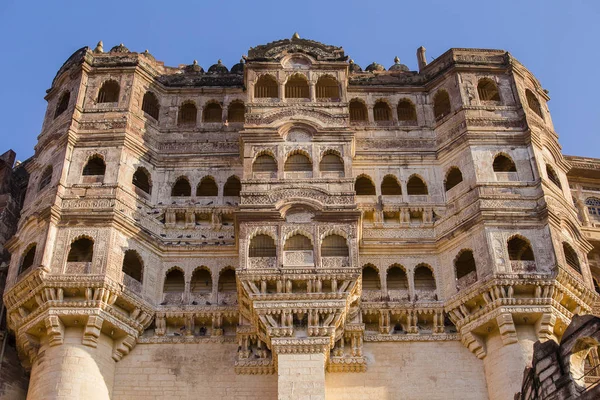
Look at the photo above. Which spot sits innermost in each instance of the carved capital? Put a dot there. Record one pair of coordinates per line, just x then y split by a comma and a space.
474, 344
506, 325
91, 332
545, 327
122, 347
55, 330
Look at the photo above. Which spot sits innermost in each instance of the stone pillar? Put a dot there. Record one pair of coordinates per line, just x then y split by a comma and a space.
72, 370
301, 376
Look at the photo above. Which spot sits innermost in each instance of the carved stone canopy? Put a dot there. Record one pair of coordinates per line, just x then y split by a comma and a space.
275, 51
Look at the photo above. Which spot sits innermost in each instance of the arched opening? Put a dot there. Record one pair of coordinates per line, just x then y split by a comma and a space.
82, 250
382, 111
187, 114
213, 112
232, 187
466, 271
297, 242
150, 105
416, 186
28, 258
227, 281
109, 92
441, 104
181, 188
264, 163
571, 257
236, 112
424, 279
406, 111
207, 187
201, 282
174, 281
553, 176
334, 246
262, 246
396, 278
364, 186
141, 180
390, 186
63, 104
370, 278
266, 87
328, 88
519, 249
94, 166
358, 111
503, 163
487, 90
297, 162
132, 265
331, 162
296, 87
46, 177
593, 206
453, 178
533, 103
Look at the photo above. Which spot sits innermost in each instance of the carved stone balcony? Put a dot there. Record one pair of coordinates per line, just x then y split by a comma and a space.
335, 262
507, 176
78, 267
418, 198
299, 258
132, 284
466, 280
172, 298
398, 295
371, 295
523, 266
298, 175
262, 262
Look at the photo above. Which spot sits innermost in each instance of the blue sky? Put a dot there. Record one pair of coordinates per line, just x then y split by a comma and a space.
557, 40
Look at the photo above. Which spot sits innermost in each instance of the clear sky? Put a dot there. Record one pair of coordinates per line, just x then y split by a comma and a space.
558, 40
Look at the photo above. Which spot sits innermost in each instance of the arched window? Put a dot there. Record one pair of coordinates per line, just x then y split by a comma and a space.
453, 178
396, 278
382, 111
109, 92
227, 281
358, 111
297, 162
150, 105
441, 104
264, 163
46, 177
533, 103
187, 114
571, 257
328, 88
174, 281
141, 180
262, 246
519, 249
132, 265
390, 186
488, 90
331, 162
63, 104
207, 187
95, 166
503, 163
364, 186
593, 206
232, 187
334, 246
181, 188
82, 250
416, 186
370, 278
266, 87
424, 279
28, 258
297, 242
406, 111
201, 282
464, 264
553, 176
213, 112
296, 87
236, 112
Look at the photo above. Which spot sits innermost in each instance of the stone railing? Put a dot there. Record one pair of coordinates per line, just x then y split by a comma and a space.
262, 262
466, 280
92, 179
264, 175
171, 298
298, 258
398, 294
200, 298
418, 198
334, 262
523, 266
226, 298
132, 284
298, 174
421, 295
507, 176
74, 267
371, 295
332, 174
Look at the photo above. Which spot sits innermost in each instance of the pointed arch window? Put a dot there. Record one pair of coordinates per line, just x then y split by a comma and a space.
328, 88
487, 90
150, 105
453, 178
262, 246
406, 111
266, 87
109, 92
441, 104
364, 186
63, 104
358, 111
213, 112
181, 188
382, 112
296, 87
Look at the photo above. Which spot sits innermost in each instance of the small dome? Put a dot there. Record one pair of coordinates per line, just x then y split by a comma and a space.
194, 67
120, 49
375, 67
398, 67
354, 67
238, 68
218, 68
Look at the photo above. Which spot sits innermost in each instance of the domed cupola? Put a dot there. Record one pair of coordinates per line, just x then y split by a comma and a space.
194, 67
218, 68
238, 68
398, 67
374, 67
354, 68
120, 49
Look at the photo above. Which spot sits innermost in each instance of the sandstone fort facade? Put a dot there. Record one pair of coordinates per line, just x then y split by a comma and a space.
296, 227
